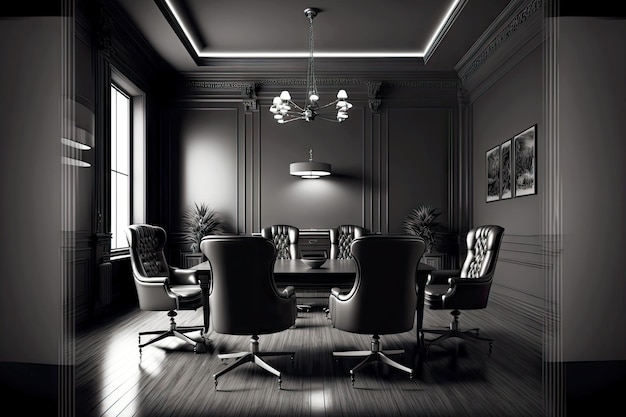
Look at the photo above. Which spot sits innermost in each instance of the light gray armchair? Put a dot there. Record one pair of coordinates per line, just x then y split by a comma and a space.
161, 287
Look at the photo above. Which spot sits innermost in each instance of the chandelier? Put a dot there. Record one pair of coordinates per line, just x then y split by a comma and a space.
285, 110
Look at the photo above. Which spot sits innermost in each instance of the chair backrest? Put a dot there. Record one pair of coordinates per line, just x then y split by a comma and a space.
383, 298
147, 256
341, 238
150, 269
483, 246
244, 299
285, 238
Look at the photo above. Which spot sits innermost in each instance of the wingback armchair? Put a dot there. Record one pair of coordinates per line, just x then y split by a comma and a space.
383, 298
161, 287
341, 238
285, 238
467, 288
244, 298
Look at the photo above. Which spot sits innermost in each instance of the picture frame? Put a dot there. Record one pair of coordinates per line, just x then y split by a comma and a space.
506, 170
524, 154
492, 174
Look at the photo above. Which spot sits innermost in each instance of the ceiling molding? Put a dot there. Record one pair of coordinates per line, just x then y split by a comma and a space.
508, 23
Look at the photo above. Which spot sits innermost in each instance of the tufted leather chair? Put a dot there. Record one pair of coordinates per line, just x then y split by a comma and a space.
383, 298
341, 238
467, 288
285, 239
161, 287
244, 298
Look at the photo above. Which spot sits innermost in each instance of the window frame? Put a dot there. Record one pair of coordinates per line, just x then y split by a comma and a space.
136, 152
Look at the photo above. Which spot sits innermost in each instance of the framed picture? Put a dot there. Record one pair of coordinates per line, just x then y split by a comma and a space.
492, 159
506, 190
525, 162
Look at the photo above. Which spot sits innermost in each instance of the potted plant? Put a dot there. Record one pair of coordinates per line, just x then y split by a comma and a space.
422, 221
199, 221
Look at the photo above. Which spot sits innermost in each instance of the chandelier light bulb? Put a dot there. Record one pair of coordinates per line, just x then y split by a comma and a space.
342, 95
285, 96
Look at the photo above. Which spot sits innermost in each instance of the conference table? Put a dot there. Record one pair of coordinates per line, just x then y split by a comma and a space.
333, 273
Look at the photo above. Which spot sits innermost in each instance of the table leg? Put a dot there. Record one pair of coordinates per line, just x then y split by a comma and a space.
204, 285
421, 287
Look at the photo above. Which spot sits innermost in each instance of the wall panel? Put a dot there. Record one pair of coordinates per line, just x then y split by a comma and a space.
204, 162
316, 203
418, 162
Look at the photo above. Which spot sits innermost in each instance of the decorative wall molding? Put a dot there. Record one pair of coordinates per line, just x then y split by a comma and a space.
250, 104
373, 88
534, 251
501, 37
372, 92
437, 84
374, 104
104, 32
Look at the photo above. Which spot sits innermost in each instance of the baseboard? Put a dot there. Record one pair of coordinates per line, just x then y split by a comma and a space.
34, 388
595, 387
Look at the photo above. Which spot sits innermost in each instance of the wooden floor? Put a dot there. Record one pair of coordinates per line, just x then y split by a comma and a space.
168, 379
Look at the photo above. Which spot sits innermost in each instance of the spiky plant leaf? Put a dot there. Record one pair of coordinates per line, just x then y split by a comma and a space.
199, 221
423, 222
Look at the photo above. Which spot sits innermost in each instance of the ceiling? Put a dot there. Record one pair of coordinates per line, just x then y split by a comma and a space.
195, 35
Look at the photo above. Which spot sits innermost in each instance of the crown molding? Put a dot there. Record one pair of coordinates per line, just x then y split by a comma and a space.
496, 36
510, 37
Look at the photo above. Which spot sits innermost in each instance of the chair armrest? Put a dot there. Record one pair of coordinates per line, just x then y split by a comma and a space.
179, 276
288, 291
442, 276
154, 280
457, 281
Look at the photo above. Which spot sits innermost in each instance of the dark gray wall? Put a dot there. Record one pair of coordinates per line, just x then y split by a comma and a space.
511, 105
205, 161
419, 166
314, 203
237, 160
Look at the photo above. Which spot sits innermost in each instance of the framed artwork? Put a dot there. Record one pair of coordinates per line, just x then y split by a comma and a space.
525, 162
506, 190
492, 159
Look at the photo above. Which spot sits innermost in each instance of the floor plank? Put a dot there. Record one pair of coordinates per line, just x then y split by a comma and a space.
168, 379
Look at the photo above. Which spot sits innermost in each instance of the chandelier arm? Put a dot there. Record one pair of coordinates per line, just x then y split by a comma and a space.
292, 103
292, 119
328, 105
293, 114
328, 119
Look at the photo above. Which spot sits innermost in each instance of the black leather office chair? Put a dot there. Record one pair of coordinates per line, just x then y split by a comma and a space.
285, 238
161, 287
383, 298
244, 298
341, 238
467, 288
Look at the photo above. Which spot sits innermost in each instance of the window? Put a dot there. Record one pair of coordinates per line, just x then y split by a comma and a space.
120, 167
127, 158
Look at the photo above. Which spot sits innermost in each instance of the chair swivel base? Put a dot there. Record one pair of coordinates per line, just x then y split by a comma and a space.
452, 331
374, 355
174, 331
252, 356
